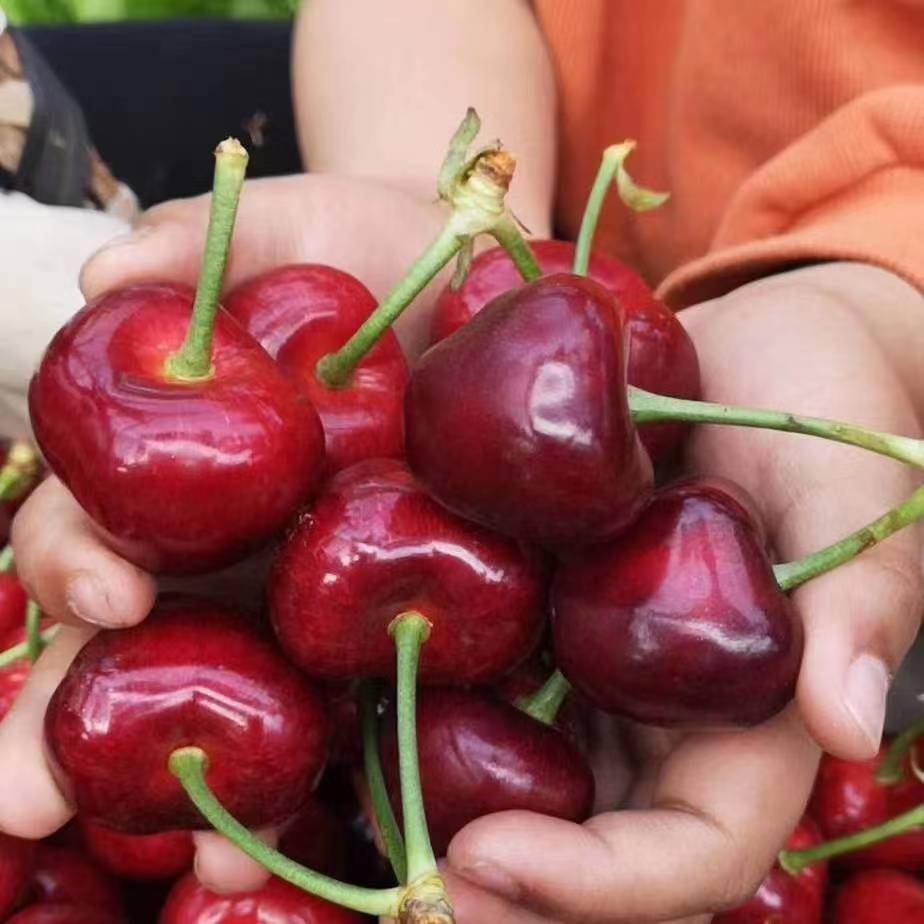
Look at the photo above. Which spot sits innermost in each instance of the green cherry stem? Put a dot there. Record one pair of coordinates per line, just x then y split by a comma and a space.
375, 779
650, 408
19, 472
35, 644
21, 651
639, 199
6, 559
544, 704
425, 901
891, 770
792, 574
189, 766
794, 861
193, 361
508, 235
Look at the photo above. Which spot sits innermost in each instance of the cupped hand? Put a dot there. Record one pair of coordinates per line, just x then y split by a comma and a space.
62, 558
709, 810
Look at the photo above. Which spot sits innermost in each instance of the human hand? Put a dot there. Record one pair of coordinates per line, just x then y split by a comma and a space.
710, 809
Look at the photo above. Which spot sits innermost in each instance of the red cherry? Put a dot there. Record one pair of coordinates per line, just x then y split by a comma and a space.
192, 675
375, 545
480, 755
662, 357
128, 856
12, 606
277, 902
881, 896
186, 476
346, 745
62, 876
299, 314
848, 799
785, 898
14, 677
64, 914
520, 420
679, 620
316, 839
16, 864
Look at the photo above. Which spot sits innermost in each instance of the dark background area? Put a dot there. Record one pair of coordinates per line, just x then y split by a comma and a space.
158, 97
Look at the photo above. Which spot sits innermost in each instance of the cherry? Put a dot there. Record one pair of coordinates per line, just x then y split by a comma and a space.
346, 745
679, 620
277, 901
192, 675
299, 314
848, 798
479, 754
520, 422
62, 876
316, 839
12, 606
14, 676
662, 357
17, 857
783, 897
64, 914
375, 545
151, 857
881, 896
186, 476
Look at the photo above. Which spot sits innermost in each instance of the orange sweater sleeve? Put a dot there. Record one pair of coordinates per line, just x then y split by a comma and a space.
788, 132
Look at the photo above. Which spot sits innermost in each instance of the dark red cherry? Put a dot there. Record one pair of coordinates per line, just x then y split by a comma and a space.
16, 864
479, 754
881, 896
662, 357
346, 744
185, 476
135, 857
785, 898
519, 421
62, 876
192, 675
848, 799
679, 620
375, 545
317, 839
12, 606
64, 914
13, 678
299, 314
277, 902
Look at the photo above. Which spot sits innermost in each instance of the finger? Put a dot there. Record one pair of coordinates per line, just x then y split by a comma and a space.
67, 569
223, 868
31, 803
474, 905
724, 804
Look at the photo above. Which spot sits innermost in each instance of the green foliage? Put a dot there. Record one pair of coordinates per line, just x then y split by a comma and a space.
44, 12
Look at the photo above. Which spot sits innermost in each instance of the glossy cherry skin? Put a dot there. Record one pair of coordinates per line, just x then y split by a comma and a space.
786, 899
881, 896
679, 620
519, 421
64, 914
662, 357
376, 545
144, 858
17, 858
63, 876
277, 902
12, 606
479, 754
193, 674
301, 312
847, 799
185, 476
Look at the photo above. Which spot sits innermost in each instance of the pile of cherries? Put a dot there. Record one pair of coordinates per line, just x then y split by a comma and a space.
485, 524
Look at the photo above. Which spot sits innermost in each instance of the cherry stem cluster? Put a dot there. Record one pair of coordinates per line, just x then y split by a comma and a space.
19, 471
35, 644
193, 362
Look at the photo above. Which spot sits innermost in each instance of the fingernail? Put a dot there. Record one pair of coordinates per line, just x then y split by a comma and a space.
87, 600
493, 879
865, 691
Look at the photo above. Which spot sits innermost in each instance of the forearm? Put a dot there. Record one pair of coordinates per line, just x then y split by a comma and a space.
379, 88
